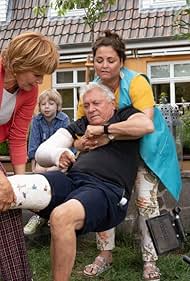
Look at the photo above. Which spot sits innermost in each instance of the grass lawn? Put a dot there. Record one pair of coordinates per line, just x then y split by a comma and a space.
127, 261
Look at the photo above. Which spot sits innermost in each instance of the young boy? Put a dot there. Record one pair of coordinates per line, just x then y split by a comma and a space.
45, 124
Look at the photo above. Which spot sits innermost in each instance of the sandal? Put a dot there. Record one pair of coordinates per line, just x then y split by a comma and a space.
151, 272
99, 266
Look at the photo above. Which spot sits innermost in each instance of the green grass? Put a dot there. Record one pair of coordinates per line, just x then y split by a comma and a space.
127, 264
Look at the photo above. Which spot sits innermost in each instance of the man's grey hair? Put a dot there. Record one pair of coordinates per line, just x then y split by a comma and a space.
104, 89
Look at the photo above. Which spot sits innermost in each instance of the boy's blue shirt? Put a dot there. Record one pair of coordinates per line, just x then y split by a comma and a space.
41, 130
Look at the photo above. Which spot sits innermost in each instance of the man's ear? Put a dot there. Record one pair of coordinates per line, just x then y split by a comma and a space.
114, 104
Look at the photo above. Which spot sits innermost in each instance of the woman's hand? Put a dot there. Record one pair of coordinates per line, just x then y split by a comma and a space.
7, 196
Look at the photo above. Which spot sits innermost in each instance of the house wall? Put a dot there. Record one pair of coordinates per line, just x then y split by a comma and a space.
137, 63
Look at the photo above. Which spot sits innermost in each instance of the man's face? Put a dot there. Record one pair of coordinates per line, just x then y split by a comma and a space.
98, 108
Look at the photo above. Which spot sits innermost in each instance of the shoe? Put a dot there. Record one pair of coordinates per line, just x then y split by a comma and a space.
99, 266
34, 223
151, 272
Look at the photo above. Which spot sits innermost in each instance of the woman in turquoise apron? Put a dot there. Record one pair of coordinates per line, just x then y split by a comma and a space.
158, 153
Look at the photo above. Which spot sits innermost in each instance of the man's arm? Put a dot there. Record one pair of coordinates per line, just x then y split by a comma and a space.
49, 152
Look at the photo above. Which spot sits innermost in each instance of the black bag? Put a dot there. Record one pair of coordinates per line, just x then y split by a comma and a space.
166, 231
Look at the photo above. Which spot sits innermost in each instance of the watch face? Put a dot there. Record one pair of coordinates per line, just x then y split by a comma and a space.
110, 137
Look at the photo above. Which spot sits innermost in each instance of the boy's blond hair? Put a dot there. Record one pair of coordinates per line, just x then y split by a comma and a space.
53, 95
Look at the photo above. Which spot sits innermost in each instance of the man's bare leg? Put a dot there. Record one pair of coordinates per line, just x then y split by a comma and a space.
64, 220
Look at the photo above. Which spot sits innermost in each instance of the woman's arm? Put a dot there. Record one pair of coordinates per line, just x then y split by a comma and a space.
19, 169
136, 126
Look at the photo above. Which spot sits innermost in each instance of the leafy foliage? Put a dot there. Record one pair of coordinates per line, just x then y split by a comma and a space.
181, 23
94, 9
4, 149
186, 130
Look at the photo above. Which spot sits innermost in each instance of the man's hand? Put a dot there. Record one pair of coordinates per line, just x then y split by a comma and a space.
92, 131
65, 160
85, 144
7, 196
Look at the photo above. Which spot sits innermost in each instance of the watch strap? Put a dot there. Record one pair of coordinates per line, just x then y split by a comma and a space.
106, 126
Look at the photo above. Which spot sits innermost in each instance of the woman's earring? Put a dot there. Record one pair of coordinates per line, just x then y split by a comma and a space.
121, 74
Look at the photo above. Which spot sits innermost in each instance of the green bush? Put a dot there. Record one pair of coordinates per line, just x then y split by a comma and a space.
4, 148
186, 131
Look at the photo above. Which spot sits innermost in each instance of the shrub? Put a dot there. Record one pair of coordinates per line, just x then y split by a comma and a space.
186, 131
4, 148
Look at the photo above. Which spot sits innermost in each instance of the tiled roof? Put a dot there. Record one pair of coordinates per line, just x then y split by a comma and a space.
124, 18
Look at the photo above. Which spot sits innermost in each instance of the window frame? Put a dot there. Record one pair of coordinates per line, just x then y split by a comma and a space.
73, 85
5, 12
53, 14
148, 5
171, 79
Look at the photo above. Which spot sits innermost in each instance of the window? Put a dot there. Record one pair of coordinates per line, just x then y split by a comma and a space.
172, 78
77, 12
5, 12
68, 82
148, 5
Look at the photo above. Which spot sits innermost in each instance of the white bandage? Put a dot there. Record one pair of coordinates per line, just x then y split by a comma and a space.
49, 152
32, 192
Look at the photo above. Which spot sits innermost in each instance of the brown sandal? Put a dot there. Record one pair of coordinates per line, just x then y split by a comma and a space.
151, 272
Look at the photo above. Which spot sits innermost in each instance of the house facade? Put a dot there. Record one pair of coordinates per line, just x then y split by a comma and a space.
148, 31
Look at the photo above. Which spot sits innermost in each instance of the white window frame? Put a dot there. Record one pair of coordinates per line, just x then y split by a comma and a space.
148, 5
53, 14
171, 79
74, 85
4, 11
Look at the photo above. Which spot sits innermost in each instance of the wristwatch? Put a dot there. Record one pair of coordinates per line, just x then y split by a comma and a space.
106, 126
111, 137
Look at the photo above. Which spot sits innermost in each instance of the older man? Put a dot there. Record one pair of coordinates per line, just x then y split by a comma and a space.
93, 195
99, 181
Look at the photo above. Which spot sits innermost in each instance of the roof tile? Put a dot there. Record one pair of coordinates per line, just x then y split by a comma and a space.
123, 17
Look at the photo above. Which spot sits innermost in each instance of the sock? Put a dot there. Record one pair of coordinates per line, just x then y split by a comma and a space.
32, 191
